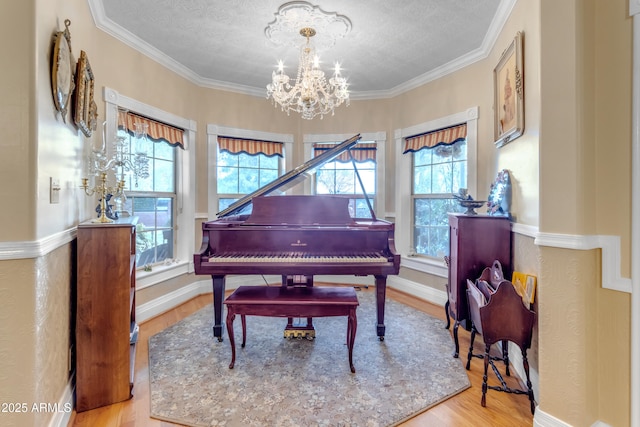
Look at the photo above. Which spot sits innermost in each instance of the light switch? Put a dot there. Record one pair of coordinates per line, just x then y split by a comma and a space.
54, 190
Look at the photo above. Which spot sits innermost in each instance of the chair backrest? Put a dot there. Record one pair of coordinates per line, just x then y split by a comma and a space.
504, 317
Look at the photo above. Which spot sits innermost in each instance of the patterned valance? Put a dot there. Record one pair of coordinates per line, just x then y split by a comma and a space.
250, 146
156, 131
361, 152
446, 136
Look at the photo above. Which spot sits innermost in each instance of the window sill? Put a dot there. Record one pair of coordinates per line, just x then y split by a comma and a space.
425, 265
160, 273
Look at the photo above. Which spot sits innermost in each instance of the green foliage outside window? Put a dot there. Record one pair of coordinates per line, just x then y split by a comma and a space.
438, 173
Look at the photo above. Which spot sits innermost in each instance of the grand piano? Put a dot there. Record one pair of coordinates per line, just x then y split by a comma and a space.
297, 236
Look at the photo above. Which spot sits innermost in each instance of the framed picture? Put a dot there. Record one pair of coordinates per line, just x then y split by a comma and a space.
85, 108
508, 85
530, 288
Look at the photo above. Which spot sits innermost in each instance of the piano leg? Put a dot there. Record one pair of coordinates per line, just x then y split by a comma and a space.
218, 298
381, 290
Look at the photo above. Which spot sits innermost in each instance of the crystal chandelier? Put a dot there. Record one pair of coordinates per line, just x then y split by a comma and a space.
311, 94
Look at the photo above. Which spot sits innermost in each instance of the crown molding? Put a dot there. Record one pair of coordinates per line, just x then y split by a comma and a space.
103, 23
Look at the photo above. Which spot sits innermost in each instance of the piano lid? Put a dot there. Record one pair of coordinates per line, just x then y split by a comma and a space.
289, 179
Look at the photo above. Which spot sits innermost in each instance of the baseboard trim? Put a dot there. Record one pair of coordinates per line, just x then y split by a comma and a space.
61, 418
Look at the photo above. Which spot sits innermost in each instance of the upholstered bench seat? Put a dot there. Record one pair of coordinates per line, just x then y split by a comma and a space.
290, 301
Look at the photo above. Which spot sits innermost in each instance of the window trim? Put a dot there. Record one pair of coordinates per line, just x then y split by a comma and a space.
404, 170
185, 184
379, 138
213, 131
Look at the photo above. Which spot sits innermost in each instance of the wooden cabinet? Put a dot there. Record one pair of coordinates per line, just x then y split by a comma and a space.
105, 321
475, 242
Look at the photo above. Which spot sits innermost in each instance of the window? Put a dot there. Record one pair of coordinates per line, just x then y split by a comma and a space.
166, 229
437, 174
241, 162
339, 177
151, 197
241, 173
426, 180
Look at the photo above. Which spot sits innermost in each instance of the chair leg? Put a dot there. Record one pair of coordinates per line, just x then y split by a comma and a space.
455, 339
525, 363
505, 356
446, 312
470, 353
483, 402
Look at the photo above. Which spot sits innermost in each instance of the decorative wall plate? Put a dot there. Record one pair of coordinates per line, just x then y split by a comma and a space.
499, 201
62, 70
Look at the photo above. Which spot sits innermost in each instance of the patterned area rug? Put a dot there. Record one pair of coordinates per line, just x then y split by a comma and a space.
284, 382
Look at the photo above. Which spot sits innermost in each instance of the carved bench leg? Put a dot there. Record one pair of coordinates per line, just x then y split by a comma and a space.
352, 326
230, 318
446, 311
243, 318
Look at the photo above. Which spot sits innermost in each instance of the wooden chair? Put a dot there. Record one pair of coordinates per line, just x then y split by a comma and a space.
498, 314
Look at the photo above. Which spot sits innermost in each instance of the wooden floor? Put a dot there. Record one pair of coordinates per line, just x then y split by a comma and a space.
464, 409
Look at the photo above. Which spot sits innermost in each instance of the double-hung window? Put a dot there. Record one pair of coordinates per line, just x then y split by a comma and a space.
434, 160
163, 201
151, 195
243, 166
439, 170
339, 176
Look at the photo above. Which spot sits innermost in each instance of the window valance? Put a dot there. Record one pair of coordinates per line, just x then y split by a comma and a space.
156, 131
250, 146
433, 139
361, 152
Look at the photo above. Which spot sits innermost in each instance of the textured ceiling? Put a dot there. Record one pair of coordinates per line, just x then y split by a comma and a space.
393, 46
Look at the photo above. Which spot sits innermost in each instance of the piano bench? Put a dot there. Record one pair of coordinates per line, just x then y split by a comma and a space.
290, 301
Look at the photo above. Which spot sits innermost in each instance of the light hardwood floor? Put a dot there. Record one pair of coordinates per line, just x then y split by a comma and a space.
464, 409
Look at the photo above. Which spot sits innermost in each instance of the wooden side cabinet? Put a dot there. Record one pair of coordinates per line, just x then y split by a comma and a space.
106, 329
476, 241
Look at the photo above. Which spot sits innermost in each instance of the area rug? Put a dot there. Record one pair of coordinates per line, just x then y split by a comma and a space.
291, 382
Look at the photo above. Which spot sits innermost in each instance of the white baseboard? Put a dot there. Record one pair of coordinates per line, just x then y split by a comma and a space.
427, 293
61, 417
542, 419
171, 300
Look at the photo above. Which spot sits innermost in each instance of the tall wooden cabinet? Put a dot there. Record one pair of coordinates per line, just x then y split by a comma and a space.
105, 321
476, 241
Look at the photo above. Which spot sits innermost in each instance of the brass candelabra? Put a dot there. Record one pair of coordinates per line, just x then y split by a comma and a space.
103, 189
120, 161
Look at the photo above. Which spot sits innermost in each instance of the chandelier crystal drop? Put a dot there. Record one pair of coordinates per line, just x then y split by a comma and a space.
311, 94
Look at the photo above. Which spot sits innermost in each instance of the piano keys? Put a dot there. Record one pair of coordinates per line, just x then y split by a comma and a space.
302, 235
